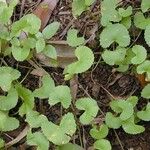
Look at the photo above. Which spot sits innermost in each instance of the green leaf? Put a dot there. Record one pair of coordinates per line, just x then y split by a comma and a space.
61, 134
2, 143
20, 54
28, 43
131, 128
34, 119
109, 12
7, 75
102, 144
140, 54
78, 6
144, 68
47, 86
140, 21
133, 100
114, 57
60, 94
10, 101
40, 45
145, 5
126, 22
7, 123
28, 23
69, 146
5, 13
110, 35
72, 38
112, 121
125, 12
123, 107
13, 3
91, 109
100, 133
146, 92
147, 35
89, 2
27, 97
144, 114
85, 60
38, 139
50, 30
50, 52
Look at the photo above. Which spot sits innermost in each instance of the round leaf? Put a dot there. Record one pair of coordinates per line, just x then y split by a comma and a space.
112, 33
100, 133
112, 121
91, 109
20, 54
144, 114
102, 144
85, 60
7, 75
140, 54
114, 57
146, 92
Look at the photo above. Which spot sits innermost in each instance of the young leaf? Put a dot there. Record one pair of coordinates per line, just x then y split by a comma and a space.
145, 5
102, 144
146, 92
140, 54
34, 119
91, 109
69, 146
85, 60
131, 128
124, 107
140, 21
72, 38
47, 86
144, 114
50, 30
50, 52
114, 57
109, 12
61, 134
60, 94
7, 75
40, 45
100, 133
126, 22
78, 6
27, 98
7, 123
20, 54
2, 143
147, 35
29, 24
133, 100
8, 102
110, 35
38, 139
112, 121
125, 12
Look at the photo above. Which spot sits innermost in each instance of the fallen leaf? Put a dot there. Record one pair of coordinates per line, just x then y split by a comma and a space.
65, 56
44, 11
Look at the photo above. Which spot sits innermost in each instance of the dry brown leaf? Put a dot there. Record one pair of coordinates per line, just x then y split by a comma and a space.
44, 11
65, 56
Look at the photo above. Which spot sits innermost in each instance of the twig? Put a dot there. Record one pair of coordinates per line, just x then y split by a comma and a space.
18, 138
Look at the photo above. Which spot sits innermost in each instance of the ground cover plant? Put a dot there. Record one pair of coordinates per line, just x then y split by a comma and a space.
26, 41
